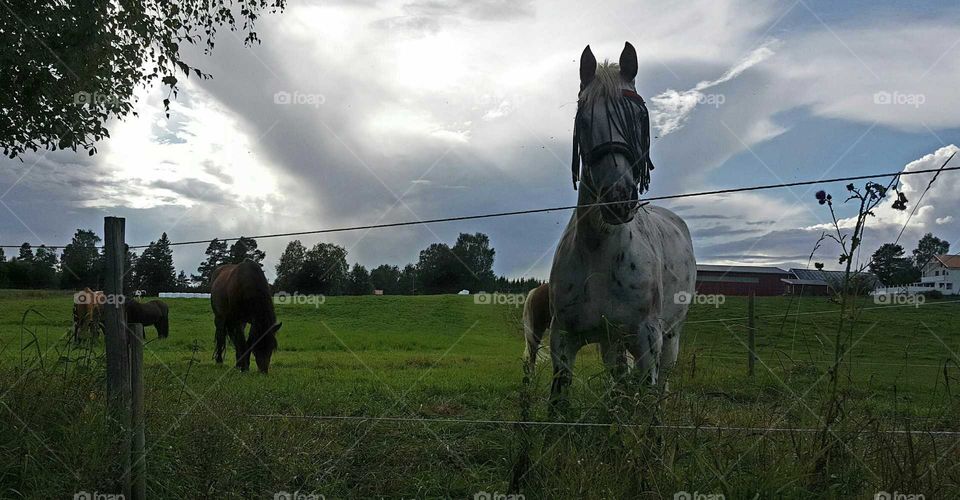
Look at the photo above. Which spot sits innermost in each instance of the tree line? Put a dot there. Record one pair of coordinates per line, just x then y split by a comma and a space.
322, 269
893, 267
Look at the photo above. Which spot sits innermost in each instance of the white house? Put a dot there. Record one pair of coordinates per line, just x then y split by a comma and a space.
942, 273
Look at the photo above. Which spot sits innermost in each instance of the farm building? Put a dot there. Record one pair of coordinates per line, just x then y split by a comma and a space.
817, 282
940, 273
741, 280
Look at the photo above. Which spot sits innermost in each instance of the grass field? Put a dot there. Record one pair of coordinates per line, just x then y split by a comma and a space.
212, 431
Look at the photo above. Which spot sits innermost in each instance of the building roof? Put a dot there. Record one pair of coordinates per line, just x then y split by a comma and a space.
835, 278
740, 269
796, 281
949, 261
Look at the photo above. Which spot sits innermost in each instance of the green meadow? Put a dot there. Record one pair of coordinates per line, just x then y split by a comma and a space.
403, 370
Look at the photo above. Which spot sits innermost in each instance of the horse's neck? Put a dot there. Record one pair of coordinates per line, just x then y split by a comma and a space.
264, 320
589, 225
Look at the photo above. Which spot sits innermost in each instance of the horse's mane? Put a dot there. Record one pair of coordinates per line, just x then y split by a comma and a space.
606, 83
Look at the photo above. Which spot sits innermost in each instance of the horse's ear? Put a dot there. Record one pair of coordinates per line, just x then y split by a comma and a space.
273, 329
628, 62
588, 67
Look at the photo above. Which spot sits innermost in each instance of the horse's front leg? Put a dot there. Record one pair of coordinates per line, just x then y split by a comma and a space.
220, 340
240, 345
646, 346
563, 352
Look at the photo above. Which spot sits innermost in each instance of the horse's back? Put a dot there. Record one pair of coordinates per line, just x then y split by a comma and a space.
239, 289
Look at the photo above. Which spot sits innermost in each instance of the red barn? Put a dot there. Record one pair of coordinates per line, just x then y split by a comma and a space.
741, 280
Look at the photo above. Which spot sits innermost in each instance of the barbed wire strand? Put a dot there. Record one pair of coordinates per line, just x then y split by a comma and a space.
538, 210
545, 423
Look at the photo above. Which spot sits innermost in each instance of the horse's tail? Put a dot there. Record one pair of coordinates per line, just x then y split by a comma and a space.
530, 333
163, 326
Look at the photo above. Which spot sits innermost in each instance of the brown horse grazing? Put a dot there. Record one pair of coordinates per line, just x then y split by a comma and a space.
154, 313
240, 295
88, 312
536, 320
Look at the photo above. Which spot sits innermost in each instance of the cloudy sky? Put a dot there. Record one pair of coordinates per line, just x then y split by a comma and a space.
364, 112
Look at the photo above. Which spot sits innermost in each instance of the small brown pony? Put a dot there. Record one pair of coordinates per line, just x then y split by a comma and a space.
88, 313
239, 295
154, 313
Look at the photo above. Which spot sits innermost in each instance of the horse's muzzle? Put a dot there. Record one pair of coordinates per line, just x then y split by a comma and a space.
616, 212
620, 213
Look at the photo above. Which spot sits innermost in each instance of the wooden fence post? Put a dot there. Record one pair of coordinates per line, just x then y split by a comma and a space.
139, 467
751, 333
117, 345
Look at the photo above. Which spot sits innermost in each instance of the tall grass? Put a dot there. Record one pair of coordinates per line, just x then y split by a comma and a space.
414, 360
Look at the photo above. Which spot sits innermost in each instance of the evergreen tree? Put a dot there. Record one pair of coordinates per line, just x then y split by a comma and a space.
26, 253
4, 279
44, 274
890, 266
244, 249
81, 262
217, 255
130, 282
183, 283
154, 268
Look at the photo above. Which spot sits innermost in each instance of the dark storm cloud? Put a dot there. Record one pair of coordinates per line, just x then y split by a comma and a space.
193, 190
409, 25
708, 217
489, 10
719, 230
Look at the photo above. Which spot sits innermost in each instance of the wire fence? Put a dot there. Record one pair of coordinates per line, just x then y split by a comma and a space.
554, 423
714, 192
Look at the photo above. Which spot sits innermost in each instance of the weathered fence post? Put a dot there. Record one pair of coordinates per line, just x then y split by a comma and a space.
139, 468
751, 333
117, 344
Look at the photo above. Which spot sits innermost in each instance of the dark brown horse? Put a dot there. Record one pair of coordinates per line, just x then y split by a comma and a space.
154, 313
240, 295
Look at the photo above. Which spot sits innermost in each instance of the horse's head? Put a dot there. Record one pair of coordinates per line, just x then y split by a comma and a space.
263, 347
611, 136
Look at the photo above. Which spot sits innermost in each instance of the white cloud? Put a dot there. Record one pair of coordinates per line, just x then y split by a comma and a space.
491, 90
934, 214
671, 108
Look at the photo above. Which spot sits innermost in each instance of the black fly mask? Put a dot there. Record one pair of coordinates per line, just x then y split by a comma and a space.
614, 123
